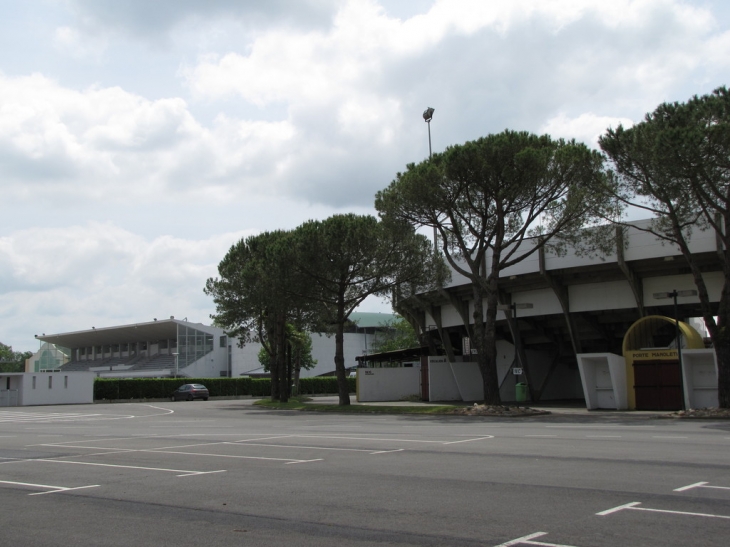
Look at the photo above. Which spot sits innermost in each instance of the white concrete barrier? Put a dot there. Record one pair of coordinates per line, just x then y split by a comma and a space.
387, 384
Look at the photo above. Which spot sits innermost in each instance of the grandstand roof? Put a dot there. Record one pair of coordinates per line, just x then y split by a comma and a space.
164, 329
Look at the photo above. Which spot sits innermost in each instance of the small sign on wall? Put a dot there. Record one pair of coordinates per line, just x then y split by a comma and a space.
517, 371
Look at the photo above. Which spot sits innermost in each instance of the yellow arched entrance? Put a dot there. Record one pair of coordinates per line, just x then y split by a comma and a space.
648, 340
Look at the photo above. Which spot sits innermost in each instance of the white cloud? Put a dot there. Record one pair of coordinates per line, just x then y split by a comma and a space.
585, 128
57, 280
79, 45
115, 144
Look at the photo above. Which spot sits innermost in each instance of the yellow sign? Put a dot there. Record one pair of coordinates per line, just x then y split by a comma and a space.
654, 354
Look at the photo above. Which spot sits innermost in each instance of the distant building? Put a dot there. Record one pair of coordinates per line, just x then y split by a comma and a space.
170, 347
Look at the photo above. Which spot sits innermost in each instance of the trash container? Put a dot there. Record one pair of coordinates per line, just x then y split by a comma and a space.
521, 392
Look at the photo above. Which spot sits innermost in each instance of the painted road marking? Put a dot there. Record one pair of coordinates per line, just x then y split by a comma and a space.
175, 450
233, 456
13, 416
295, 446
598, 426
471, 440
527, 540
53, 489
183, 472
700, 485
389, 440
634, 506
24, 417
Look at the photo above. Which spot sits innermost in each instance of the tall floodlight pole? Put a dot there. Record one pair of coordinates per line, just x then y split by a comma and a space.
427, 115
674, 294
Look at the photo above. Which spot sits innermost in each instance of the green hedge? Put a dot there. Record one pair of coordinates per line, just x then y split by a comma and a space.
158, 388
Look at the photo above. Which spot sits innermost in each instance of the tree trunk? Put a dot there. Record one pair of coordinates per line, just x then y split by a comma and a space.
289, 372
297, 373
342, 387
274, 364
282, 358
485, 342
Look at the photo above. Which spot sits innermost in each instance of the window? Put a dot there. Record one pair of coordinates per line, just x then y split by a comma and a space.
223, 342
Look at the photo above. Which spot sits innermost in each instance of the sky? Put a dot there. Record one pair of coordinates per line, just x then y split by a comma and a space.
140, 140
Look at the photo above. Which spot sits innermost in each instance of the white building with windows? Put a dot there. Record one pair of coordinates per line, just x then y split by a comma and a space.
174, 347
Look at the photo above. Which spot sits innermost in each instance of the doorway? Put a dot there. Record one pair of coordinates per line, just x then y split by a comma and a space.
658, 385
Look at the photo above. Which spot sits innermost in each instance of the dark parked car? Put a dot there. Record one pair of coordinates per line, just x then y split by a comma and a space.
188, 392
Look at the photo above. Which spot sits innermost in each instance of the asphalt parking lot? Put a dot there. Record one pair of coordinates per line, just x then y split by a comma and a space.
225, 473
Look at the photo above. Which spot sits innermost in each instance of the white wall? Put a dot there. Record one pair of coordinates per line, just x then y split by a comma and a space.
323, 351
603, 376
243, 359
700, 378
454, 381
387, 384
65, 388
208, 366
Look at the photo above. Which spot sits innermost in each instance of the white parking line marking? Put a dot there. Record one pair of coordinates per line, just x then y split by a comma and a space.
522, 539
388, 451
617, 509
701, 485
690, 486
185, 472
631, 427
291, 460
304, 461
13, 416
64, 445
598, 427
379, 439
634, 506
527, 540
471, 440
301, 446
265, 438
53, 490
65, 490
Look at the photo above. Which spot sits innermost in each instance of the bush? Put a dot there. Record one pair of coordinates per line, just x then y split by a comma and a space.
159, 388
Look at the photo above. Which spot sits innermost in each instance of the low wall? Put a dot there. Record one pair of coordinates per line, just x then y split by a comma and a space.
454, 381
56, 388
387, 384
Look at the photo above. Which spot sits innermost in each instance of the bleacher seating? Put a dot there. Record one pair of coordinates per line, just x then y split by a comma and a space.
156, 362
164, 363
